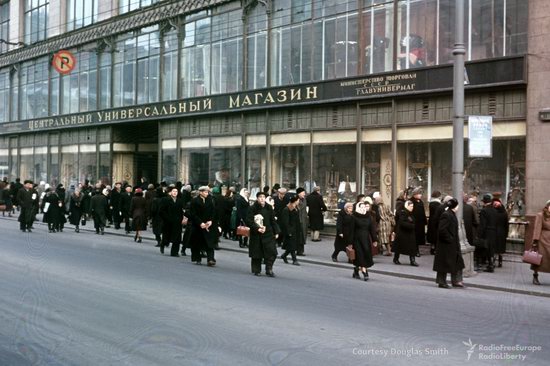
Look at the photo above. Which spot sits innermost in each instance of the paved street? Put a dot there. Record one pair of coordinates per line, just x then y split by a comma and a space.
84, 299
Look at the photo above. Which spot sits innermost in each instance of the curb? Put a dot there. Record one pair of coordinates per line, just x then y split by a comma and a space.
341, 266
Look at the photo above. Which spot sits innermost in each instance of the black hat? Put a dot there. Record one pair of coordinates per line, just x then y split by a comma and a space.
260, 193
300, 190
28, 181
487, 198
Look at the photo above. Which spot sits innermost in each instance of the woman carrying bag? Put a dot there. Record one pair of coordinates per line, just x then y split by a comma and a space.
541, 242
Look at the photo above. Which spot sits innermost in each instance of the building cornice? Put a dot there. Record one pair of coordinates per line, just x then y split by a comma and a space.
106, 28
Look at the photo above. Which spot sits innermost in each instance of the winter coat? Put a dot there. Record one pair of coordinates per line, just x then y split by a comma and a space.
262, 245
202, 211
242, 206
155, 215
280, 204
171, 215
471, 222
502, 230
125, 204
431, 236
138, 211
488, 218
344, 226
302, 211
75, 209
291, 230
316, 208
386, 223
98, 208
405, 238
364, 232
541, 233
448, 258
419, 221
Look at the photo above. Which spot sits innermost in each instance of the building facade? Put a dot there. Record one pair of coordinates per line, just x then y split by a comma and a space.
353, 96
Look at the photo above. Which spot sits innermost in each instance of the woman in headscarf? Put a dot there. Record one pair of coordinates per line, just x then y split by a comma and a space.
344, 230
242, 205
541, 242
364, 231
405, 239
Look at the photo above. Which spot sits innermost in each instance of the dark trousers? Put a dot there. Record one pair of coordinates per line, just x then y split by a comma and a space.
196, 253
171, 232
127, 227
26, 218
411, 257
117, 219
256, 264
441, 278
292, 254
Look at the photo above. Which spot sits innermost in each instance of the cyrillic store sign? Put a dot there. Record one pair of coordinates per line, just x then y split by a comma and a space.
480, 136
423, 80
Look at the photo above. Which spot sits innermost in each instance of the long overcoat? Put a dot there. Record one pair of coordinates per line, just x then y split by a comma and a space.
542, 234
75, 209
316, 208
291, 230
202, 211
488, 218
98, 208
431, 235
448, 258
344, 226
420, 221
364, 232
502, 230
405, 239
171, 215
262, 246
138, 210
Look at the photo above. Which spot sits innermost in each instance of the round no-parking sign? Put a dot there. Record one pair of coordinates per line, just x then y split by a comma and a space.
64, 62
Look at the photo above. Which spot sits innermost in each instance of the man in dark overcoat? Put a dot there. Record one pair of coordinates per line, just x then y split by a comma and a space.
204, 227
171, 214
420, 220
263, 233
98, 207
302, 210
26, 199
448, 258
125, 203
116, 201
488, 218
502, 228
316, 207
431, 235
471, 220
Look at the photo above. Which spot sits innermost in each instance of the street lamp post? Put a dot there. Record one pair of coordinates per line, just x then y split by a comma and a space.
458, 133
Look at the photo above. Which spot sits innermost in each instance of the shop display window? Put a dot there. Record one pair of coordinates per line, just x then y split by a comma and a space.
290, 167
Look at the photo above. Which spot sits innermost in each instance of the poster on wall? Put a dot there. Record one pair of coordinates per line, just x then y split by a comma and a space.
480, 136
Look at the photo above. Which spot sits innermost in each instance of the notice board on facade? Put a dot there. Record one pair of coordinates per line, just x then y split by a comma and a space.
480, 136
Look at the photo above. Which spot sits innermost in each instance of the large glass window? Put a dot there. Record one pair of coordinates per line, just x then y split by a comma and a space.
4, 162
376, 42
170, 65
87, 162
137, 68
417, 33
36, 20
69, 165
4, 95
4, 25
291, 166
104, 164
41, 164
195, 62
227, 50
125, 6
225, 166
26, 161
169, 161
256, 170
34, 88
81, 13
334, 170
256, 64
80, 86
148, 65
105, 80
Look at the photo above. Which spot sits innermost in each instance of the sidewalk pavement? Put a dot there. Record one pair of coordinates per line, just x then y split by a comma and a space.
513, 277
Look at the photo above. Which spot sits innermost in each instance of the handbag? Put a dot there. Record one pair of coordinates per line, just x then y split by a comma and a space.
532, 257
350, 252
243, 231
46, 207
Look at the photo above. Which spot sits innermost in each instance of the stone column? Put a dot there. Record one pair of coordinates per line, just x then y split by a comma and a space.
538, 88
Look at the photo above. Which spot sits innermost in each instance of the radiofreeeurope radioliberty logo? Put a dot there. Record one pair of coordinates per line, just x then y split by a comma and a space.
499, 352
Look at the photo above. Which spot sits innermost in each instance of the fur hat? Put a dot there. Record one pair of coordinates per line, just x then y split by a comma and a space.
417, 190
204, 188
300, 190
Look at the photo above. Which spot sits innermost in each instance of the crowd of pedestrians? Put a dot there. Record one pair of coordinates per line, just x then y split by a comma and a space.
183, 218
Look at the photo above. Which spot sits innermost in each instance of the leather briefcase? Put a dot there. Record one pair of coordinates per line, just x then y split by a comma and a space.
350, 252
243, 231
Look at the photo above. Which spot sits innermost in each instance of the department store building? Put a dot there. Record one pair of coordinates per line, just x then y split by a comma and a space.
353, 96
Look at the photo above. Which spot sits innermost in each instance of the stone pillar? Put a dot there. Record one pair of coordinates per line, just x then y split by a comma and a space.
538, 133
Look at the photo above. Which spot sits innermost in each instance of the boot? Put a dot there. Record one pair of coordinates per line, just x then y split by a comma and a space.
499, 261
365, 276
356, 273
536, 279
76, 229
413, 261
